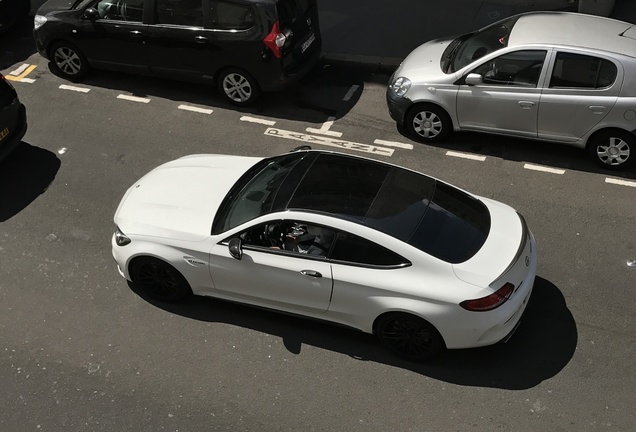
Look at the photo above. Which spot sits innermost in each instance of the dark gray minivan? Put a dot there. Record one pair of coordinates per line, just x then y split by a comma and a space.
242, 46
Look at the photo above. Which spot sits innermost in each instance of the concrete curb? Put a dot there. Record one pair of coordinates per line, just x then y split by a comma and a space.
371, 63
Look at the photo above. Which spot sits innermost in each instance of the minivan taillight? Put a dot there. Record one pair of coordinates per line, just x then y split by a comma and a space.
275, 40
490, 302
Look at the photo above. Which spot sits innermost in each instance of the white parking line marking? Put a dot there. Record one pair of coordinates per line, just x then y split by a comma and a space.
73, 88
19, 70
195, 109
27, 80
258, 120
466, 156
394, 144
133, 98
544, 169
62, 150
312, 139
620, 182
350, 93
324, 130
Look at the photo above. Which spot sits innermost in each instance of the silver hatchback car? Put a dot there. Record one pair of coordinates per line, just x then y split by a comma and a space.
551, 76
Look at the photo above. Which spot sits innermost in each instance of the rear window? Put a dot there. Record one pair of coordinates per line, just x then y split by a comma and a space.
290, 10
454, 227
582, 71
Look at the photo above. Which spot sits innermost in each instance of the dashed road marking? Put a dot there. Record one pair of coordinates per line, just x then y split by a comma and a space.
133, 98
19, 70
324, 130
466, 156
195, 109
258, 120
620, 182
350, 93
544, 169
27, 80
62, 150
74, 88
394, 144
313, 139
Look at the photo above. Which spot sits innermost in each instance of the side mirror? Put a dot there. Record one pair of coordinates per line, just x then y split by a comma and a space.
91, 14
474, 79
236, 248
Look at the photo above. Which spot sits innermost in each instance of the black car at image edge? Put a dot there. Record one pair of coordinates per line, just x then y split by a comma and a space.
242, 46
12, 12
13, 121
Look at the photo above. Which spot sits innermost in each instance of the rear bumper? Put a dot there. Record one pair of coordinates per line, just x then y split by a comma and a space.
288, 77
9, 143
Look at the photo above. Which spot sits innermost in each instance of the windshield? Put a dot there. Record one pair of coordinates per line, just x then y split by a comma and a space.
469, 48
253, 195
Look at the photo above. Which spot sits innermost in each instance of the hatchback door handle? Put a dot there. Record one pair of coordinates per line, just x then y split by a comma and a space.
201, 39
597, 109
310, 273
136, 34
526, 104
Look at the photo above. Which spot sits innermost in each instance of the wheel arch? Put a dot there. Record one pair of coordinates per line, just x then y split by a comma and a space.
386, 313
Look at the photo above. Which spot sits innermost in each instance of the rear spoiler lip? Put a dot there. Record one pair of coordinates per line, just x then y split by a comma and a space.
525, 237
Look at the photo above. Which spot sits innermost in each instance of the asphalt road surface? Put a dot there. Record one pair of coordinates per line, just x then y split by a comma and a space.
81, 350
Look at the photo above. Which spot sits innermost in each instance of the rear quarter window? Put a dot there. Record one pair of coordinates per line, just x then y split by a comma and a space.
228, 15
353, 249
582, 71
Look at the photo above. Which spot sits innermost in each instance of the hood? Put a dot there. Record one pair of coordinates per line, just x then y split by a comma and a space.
500, 249
179, 199
55, 5
424, 62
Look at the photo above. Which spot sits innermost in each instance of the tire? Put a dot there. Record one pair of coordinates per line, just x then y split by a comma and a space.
238, 87
613, 149
159, 279
428, 123
68, 61
408, 336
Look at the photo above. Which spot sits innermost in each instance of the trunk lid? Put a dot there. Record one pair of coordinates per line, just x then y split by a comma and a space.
301, 18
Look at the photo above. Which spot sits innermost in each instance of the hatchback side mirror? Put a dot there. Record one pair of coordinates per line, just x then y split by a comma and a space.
473, 79
236, 248
91, 14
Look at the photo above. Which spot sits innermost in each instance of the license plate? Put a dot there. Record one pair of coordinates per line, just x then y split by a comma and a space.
4, 133
308, 42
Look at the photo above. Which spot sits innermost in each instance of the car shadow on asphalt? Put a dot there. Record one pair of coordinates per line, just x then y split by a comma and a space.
547, 154
25, 175
542, 346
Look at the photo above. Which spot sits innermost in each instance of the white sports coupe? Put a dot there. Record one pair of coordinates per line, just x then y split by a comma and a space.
420, 263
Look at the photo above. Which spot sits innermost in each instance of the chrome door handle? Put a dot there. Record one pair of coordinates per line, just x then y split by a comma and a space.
597, 109
526, 104
135, 33
310, 273
201, 39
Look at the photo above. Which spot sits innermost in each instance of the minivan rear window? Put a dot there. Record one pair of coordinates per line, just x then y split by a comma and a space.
290, 10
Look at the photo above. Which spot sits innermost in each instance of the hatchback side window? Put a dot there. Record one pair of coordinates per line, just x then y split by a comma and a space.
582, 71
356, 250
227, 15
121, 10
291, 236
519, 68
188, 13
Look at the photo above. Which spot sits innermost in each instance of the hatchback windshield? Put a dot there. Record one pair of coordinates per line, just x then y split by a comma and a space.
468, 48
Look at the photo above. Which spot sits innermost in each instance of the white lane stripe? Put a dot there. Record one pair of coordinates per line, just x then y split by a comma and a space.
133, 98
258, 120
350, 93
620, 182
19, 70
313, 139
195, 109
324, 129
544, 169
394, 144
27, 80
73, 88
466, 156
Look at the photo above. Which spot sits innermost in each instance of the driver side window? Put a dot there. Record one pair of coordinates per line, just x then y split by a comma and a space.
292, 236
121, 10
519, 68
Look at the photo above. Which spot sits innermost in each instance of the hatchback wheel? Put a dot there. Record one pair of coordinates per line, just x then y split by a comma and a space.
69, 61
408, 336
428, 123
613, 149
159, 279
238, 87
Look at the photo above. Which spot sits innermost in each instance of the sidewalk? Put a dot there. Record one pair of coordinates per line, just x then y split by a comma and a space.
378, 34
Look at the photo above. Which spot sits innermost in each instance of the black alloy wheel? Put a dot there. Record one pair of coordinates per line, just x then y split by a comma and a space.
408, 336
238, 87
68, 61
159, 279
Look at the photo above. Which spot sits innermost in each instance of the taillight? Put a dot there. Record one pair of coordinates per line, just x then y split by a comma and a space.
275, 40
490, 302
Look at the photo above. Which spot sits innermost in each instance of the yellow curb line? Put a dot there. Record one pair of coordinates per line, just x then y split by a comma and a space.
22, 75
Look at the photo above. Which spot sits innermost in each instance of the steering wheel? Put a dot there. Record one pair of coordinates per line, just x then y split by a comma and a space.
273, 236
